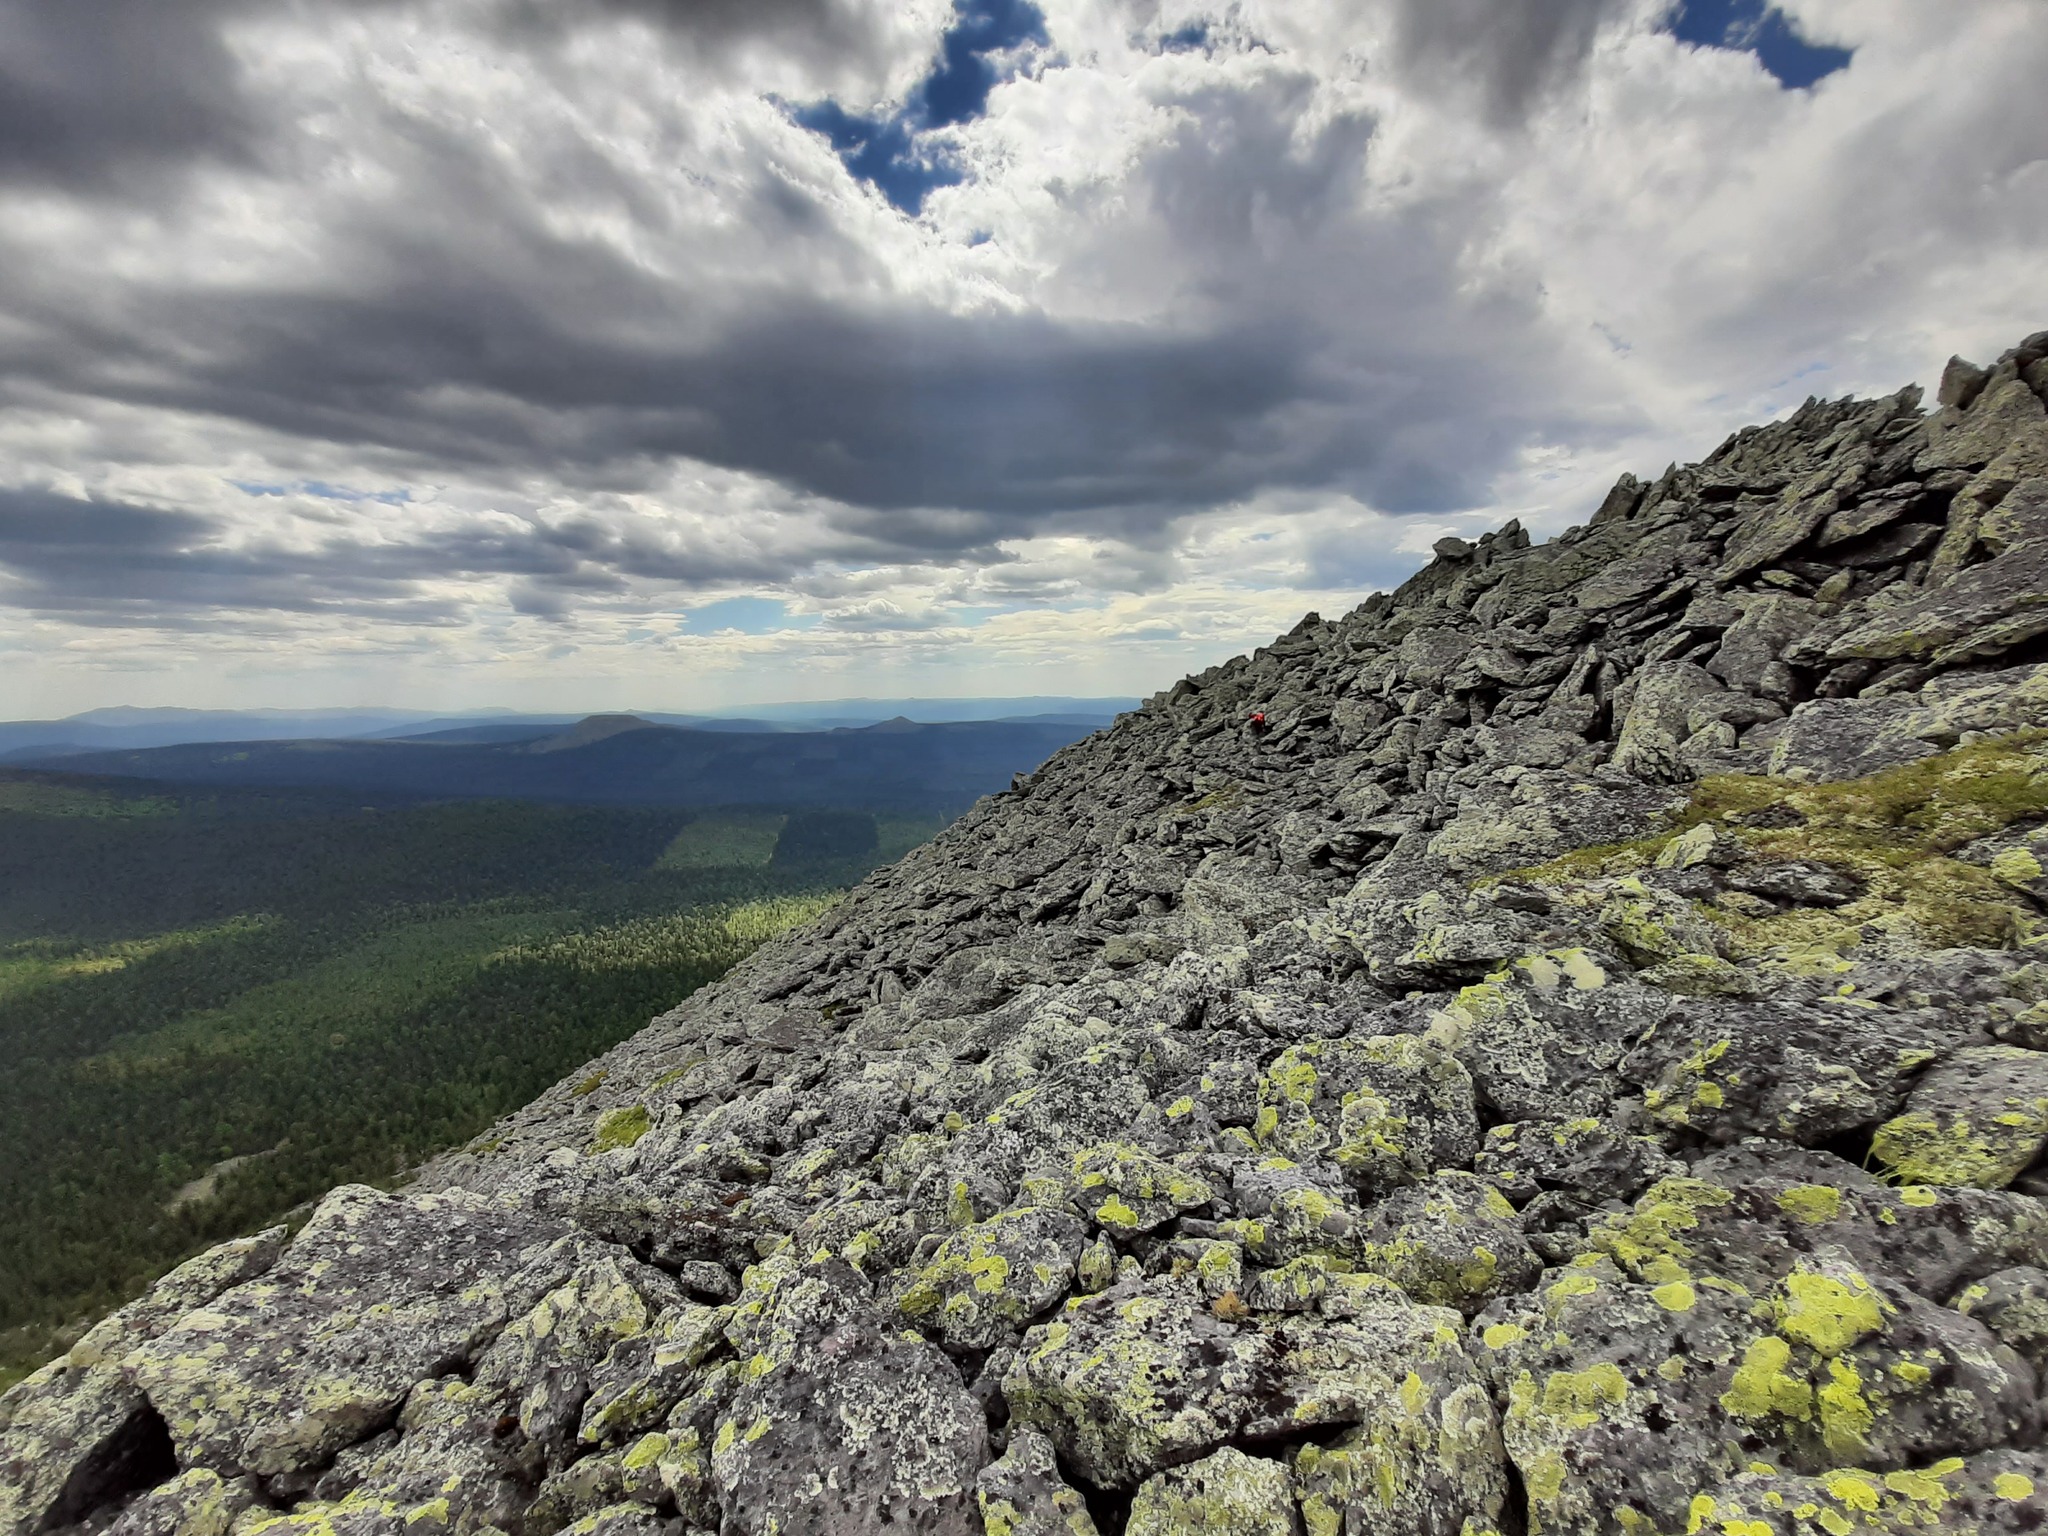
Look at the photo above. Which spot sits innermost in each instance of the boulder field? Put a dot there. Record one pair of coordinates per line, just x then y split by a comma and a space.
1577, 1066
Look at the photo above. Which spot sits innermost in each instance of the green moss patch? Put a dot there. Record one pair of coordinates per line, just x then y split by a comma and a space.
1896, 831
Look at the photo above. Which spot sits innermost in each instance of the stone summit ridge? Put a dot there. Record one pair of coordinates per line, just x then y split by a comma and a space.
1580, 1068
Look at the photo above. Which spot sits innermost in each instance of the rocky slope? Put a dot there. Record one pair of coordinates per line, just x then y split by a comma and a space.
1582, 1066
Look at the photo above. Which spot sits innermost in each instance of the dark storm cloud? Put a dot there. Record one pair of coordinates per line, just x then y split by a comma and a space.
814, 28
116, 562
1011, 417
1507, 53
93, 91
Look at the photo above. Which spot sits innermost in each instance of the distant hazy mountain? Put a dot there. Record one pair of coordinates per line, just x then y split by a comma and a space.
126, 728
897, 764
106, 730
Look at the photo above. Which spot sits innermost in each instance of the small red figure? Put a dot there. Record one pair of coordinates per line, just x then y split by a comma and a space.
1258, 721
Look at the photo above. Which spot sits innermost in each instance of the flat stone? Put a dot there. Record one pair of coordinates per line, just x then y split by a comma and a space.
1132, 1381
843, 1426
1227, 1493
1979, 1118
1986, 610
376, 1294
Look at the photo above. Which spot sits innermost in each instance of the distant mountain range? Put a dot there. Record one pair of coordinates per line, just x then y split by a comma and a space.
895, 764
127, 729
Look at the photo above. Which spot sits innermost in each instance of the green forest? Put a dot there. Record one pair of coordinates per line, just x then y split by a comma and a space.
216, 1005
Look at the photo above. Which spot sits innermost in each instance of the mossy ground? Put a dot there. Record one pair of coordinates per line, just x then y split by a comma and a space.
1896, 831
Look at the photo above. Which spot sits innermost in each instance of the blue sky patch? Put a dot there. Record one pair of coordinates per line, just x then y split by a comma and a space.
320, 488
748, 615
1751, 26
883, 149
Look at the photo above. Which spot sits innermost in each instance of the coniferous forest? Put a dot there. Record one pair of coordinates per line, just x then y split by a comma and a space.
215, 1005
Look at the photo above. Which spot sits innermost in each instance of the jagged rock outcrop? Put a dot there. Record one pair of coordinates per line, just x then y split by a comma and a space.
1579, 1065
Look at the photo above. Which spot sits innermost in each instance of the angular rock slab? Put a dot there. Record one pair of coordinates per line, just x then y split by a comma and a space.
843, 1426
1228, 1494
1425, 1453
988, 1281
77, 1432
1798, 1073
1132, 1381
195, 1503
1979, 1118
1984, 611
1021, 1493
376, 1294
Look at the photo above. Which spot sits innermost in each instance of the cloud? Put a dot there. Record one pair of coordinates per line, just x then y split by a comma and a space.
1505, 53
530, 327
98, 92
101, 96
95, 560
471, 327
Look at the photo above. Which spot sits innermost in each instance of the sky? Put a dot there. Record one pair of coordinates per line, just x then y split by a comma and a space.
681, 354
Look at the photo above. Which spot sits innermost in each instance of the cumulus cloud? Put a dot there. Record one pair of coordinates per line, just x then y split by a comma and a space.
1503, 54
538, 325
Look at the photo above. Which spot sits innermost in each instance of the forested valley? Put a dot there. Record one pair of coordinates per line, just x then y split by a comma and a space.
217, 1004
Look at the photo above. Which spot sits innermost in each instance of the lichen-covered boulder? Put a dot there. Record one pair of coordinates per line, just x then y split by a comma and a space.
376, 1294
1021, 1492
2017, 857
1137, 1379
450, 1460
841, 1425
2013, 1304
1678, 704
1453, 1242
1127, 1190
1747, 1233
1995, 1494
194, 1503
1431, 1465
1542, 1039
1037, 1131
989, 1281
1713, 1327
1979, 1118
546, 1359
1805, 1073
648, 1372
618, 1520
1291, 1211
1421, 1449
1588, 1158
1387, 1110
77, 1432
1227, 1493
589, 1487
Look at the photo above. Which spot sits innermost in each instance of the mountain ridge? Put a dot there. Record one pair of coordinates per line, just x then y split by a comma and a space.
625, 760
127, 727
1561, 1048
